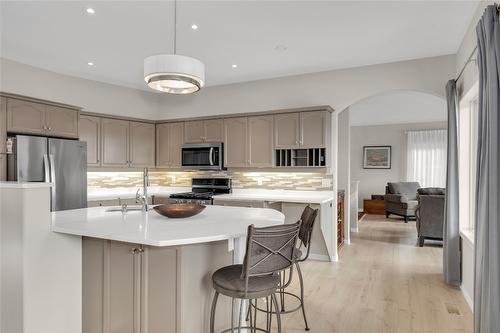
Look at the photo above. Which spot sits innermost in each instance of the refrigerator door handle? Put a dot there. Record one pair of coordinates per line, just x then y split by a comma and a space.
53, 181
46, 168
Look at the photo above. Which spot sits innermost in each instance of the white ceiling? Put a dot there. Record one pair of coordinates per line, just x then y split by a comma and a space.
398, 107
264, 38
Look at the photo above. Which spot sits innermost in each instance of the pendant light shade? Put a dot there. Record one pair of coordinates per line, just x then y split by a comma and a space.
175, 74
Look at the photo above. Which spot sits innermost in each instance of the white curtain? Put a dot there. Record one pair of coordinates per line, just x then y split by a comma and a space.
426, 159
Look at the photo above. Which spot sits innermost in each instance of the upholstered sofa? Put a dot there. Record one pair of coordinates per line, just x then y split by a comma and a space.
401, 199
430, 213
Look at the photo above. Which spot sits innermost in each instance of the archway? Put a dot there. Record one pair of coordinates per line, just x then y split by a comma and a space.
391, 114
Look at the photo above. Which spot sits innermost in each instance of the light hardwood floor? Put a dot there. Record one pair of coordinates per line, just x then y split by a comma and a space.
382, 283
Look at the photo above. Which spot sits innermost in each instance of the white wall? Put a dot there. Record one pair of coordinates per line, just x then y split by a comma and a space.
373, 181
398, 107
93, 96
339, 88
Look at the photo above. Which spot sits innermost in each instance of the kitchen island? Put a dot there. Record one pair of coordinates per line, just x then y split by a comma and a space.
143, 272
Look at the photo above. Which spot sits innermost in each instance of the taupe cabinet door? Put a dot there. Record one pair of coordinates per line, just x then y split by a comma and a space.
313, 126
3, 124
114, 142
3, 167
169, 139
213, 130
89, 129
36, 118
25, 117
121, 281
203, 131
235, 142
286, 130
142, 144
193, 131
260, 141
61, 122
158, 290
300, 130
128, 288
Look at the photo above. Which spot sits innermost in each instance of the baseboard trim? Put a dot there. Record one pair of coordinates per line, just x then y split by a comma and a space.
320, 257
468, 298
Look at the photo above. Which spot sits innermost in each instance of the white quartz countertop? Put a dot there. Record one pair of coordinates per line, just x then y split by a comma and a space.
316, 197
215, 223
7, 184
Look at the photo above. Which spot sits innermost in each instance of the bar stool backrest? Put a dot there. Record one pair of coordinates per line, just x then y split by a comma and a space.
306, 228
270, 249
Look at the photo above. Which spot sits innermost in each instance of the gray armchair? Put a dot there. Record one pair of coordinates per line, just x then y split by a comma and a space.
430, 214
401, 199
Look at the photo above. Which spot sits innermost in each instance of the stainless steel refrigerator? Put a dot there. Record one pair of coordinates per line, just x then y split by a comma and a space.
58, 161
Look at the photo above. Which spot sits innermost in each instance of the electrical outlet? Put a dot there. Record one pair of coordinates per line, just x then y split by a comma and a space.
326, 183
259, 181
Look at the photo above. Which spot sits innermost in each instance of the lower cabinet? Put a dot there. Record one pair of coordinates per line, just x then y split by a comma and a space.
3, 167
128, 288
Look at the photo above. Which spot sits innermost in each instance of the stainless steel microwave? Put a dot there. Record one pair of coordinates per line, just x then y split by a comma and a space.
203, 156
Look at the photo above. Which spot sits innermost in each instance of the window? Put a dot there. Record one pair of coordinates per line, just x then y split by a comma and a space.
468, 158
426, 159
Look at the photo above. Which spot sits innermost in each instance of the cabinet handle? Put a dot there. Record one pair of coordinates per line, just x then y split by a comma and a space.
50, 128
137, 250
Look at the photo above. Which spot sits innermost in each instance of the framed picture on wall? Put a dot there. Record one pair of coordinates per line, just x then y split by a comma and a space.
376, 157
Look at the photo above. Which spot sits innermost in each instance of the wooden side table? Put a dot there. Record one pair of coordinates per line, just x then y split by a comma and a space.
376, 206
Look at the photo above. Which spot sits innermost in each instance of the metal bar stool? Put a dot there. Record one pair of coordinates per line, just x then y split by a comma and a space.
306, 228
269, 250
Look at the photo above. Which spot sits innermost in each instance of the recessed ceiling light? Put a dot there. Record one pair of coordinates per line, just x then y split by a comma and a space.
281, 48
90, 10
234, 65
90, 63
194, 27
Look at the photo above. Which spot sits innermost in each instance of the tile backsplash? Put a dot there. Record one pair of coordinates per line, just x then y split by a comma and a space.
312, 181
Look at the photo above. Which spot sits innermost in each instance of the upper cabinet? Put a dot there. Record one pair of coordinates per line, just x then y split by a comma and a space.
286, 130
169, 139
193, 131
260, 141
89, 128
301, 130
3, 124
248, 141
26, 117
114, 142
142, 144
313, 129
118, 143
235, 142
212, 130
209, 130
61, 122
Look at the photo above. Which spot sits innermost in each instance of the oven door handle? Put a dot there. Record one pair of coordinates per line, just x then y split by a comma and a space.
210, 158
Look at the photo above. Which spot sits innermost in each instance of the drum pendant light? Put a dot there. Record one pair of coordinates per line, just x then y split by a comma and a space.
173, 73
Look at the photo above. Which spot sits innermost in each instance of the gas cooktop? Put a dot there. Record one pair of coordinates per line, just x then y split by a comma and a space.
203, 189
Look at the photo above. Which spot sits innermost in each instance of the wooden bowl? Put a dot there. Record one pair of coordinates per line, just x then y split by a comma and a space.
179, 210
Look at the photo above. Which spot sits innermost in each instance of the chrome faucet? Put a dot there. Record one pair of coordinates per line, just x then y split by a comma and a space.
143, 199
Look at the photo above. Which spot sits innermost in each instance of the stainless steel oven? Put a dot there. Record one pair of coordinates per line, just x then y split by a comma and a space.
203, 156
